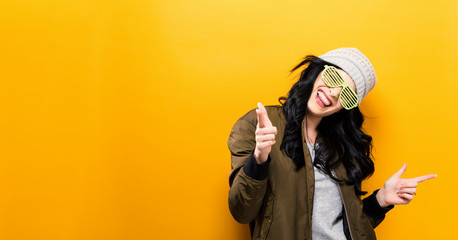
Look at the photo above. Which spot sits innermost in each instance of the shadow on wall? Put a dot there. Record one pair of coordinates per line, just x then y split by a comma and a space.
242, 231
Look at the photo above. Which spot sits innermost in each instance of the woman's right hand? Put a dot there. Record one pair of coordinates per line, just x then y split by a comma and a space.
265, 135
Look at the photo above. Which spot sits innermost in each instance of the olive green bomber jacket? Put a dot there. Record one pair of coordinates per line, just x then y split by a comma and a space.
280, 206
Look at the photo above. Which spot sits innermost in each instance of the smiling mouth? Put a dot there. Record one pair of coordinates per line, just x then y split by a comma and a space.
322, 99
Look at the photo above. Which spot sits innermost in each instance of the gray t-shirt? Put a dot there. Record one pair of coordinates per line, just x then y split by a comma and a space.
327, 206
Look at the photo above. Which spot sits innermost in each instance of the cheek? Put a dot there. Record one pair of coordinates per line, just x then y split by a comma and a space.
311, 101
338, 109
318, 82
338, 105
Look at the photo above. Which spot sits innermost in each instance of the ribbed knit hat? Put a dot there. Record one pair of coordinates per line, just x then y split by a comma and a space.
353, 62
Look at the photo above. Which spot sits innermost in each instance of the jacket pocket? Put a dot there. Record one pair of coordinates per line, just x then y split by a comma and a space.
266, 218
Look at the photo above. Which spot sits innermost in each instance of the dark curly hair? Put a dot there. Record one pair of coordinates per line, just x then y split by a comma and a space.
340, 137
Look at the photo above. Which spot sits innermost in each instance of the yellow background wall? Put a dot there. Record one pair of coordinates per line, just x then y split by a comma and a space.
114, 115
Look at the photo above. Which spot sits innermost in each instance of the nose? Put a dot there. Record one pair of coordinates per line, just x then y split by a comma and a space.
334, 92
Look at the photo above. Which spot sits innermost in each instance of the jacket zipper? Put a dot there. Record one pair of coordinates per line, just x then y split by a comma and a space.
346, 213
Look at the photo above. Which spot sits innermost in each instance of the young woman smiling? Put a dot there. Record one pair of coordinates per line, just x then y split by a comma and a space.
297, 168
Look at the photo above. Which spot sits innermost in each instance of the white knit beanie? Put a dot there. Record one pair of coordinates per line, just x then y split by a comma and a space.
353, 62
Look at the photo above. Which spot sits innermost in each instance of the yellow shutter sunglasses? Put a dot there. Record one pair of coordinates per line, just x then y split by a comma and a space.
333, 78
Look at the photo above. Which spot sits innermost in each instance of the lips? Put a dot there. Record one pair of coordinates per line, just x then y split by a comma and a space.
322, 99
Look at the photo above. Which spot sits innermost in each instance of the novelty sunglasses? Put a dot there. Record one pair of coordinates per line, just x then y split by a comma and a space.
333, 78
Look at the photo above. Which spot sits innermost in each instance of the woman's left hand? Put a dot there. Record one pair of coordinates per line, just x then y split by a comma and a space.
398, 191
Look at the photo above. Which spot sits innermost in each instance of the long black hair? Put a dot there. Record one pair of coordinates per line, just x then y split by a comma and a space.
340, 137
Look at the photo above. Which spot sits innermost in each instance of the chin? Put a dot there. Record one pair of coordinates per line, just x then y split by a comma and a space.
319, 111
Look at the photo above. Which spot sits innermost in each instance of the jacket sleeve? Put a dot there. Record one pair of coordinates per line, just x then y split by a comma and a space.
373, 210
246, 191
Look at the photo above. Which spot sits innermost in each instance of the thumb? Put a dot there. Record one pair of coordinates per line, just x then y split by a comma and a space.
263, 118
401, 171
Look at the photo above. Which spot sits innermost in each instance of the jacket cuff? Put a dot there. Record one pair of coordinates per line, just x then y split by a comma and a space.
256, 171
372, 207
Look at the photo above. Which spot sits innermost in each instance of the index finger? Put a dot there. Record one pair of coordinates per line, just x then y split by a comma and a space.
263, 118
424, 178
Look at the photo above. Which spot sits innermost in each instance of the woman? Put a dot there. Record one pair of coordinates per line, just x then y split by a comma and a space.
297, 168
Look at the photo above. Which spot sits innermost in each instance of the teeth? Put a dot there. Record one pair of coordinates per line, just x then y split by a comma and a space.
324, 99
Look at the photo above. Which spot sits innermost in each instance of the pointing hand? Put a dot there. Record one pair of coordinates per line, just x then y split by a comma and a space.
397, 190
265, 135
